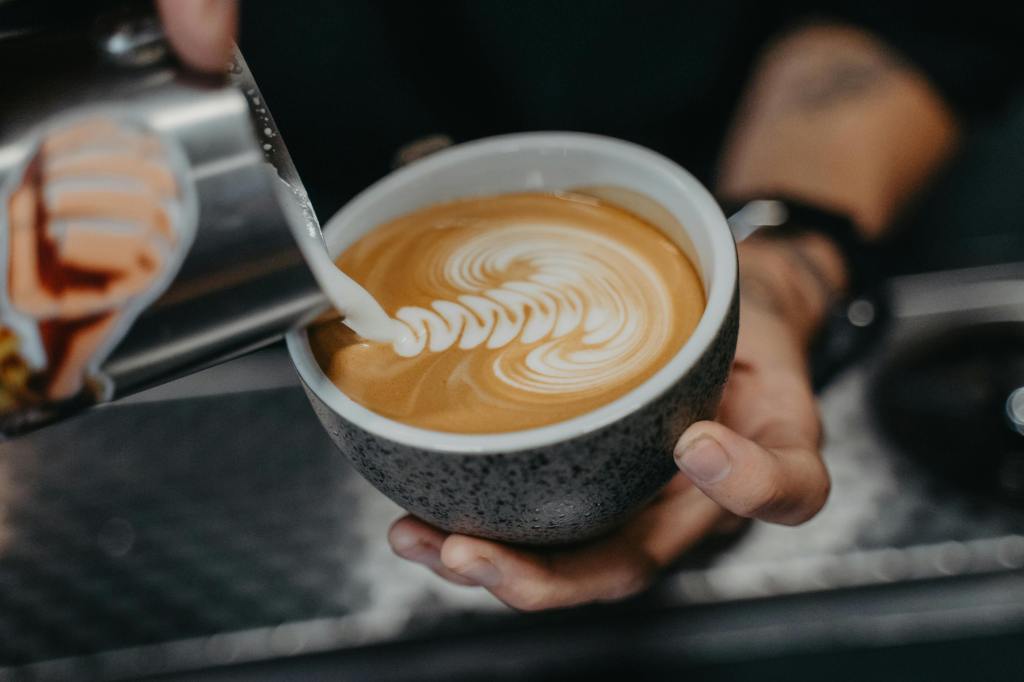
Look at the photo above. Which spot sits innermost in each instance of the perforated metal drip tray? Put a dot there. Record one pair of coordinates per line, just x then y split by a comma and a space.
211, 522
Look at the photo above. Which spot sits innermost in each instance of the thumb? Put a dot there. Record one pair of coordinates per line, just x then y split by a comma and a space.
783, 481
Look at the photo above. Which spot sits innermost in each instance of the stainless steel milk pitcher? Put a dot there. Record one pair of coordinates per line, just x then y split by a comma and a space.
148, 218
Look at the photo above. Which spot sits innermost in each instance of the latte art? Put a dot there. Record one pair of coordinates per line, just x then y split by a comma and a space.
579, 281
515, 311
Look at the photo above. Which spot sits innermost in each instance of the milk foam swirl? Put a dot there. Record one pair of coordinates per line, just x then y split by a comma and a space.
595, 304
516, 311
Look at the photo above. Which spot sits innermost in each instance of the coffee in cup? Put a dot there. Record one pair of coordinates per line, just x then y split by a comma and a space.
516, 311
577, 476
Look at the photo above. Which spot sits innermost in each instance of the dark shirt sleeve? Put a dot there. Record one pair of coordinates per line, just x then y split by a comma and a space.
971, 52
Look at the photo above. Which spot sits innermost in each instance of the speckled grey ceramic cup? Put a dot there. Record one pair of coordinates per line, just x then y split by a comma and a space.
579, 478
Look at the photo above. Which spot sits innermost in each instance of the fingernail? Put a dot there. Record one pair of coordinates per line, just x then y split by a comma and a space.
480, 571
403, 540
424, 554
409, 546
704, 460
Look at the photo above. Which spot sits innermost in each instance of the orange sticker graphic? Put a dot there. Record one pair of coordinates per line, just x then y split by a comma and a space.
95, 226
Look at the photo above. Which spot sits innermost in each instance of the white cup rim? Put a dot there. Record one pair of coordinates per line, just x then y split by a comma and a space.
719, 302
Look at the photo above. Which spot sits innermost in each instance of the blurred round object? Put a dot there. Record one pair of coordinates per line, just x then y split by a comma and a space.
861, 312
953, 400
1015, 410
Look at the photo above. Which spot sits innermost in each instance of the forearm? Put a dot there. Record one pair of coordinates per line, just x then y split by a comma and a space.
831, 117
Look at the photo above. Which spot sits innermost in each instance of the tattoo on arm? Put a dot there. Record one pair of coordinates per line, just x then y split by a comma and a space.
843, 80
832, 72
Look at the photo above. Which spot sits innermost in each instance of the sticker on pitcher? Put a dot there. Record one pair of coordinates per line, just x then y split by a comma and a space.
95, 224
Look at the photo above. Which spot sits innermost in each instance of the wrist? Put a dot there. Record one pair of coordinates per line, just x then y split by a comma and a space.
796, 278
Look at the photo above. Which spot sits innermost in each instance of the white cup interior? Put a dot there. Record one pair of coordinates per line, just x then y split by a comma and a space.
641, 180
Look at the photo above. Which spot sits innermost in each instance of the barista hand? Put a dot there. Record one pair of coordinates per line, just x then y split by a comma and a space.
201, 31
830, 117
759, 460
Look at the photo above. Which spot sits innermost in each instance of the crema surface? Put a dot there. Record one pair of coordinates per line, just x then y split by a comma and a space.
516, 311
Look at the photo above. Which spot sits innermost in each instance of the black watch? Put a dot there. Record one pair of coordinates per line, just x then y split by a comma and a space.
858, 318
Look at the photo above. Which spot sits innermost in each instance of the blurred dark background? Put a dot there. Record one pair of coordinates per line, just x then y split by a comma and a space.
351, 83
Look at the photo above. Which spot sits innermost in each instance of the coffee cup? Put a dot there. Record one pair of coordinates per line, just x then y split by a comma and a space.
575, 479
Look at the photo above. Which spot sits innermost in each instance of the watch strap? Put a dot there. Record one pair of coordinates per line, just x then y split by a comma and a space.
784, 217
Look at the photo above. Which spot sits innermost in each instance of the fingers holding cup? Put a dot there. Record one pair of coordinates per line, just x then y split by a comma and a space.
614, 567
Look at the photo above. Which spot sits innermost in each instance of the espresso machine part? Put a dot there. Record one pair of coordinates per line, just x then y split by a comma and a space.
149, 218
